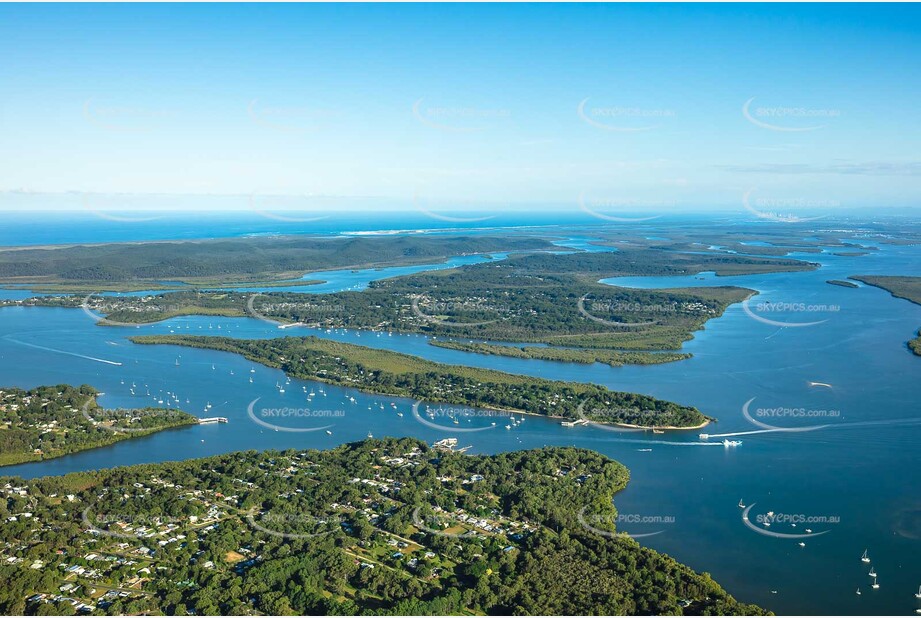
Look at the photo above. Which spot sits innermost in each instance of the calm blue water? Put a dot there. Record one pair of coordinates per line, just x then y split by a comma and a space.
867, 475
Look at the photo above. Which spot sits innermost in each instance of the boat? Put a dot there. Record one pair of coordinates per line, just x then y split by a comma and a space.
865, 557
741, 505
918, 594
872, 572
801, 544
874, 585
731, 443
328, 432
858, 591
657, 431
644, 450
370, 435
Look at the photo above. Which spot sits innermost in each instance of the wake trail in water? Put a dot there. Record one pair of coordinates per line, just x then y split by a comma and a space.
55, 350
856, 424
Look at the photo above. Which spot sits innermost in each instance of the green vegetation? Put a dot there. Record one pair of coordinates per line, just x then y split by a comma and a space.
908, 288
401, 375
568, 355
382, 527
844, 284
96, 267
49, 421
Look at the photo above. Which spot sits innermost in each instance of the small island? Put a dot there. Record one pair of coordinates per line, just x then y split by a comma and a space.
844, 284
380, 527
53, 421
401, 375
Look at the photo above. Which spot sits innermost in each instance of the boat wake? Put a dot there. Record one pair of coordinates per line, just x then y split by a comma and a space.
55, 350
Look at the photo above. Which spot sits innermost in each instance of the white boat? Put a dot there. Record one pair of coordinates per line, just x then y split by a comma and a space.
918, 594
370, 435
328, 432
801, 544
872, 572
858, 591
741, 505
874, 585
865, 557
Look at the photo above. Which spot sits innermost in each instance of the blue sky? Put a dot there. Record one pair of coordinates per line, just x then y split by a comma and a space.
464, 106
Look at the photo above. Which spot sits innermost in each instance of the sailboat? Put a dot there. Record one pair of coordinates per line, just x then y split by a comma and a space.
741, 505
918, 594
872, 572
865, 557
874, 585
858, 591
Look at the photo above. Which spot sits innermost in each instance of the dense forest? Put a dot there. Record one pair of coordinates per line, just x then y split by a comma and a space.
238, 259
382, 527
391, 373
49, 421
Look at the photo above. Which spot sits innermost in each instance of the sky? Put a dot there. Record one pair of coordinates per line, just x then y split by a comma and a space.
455, 107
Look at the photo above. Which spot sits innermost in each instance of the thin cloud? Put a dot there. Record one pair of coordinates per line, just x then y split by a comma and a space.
870, 168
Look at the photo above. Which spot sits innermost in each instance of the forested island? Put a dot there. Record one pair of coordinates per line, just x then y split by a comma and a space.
843, 284
52, 421
547, 298
566, 355
401, 375
142, 266
381, 527
908, 288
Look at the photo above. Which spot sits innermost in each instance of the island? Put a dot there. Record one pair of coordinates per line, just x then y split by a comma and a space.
908, 288
843, 284
380, 527
401, 375
552, 299
53, 421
